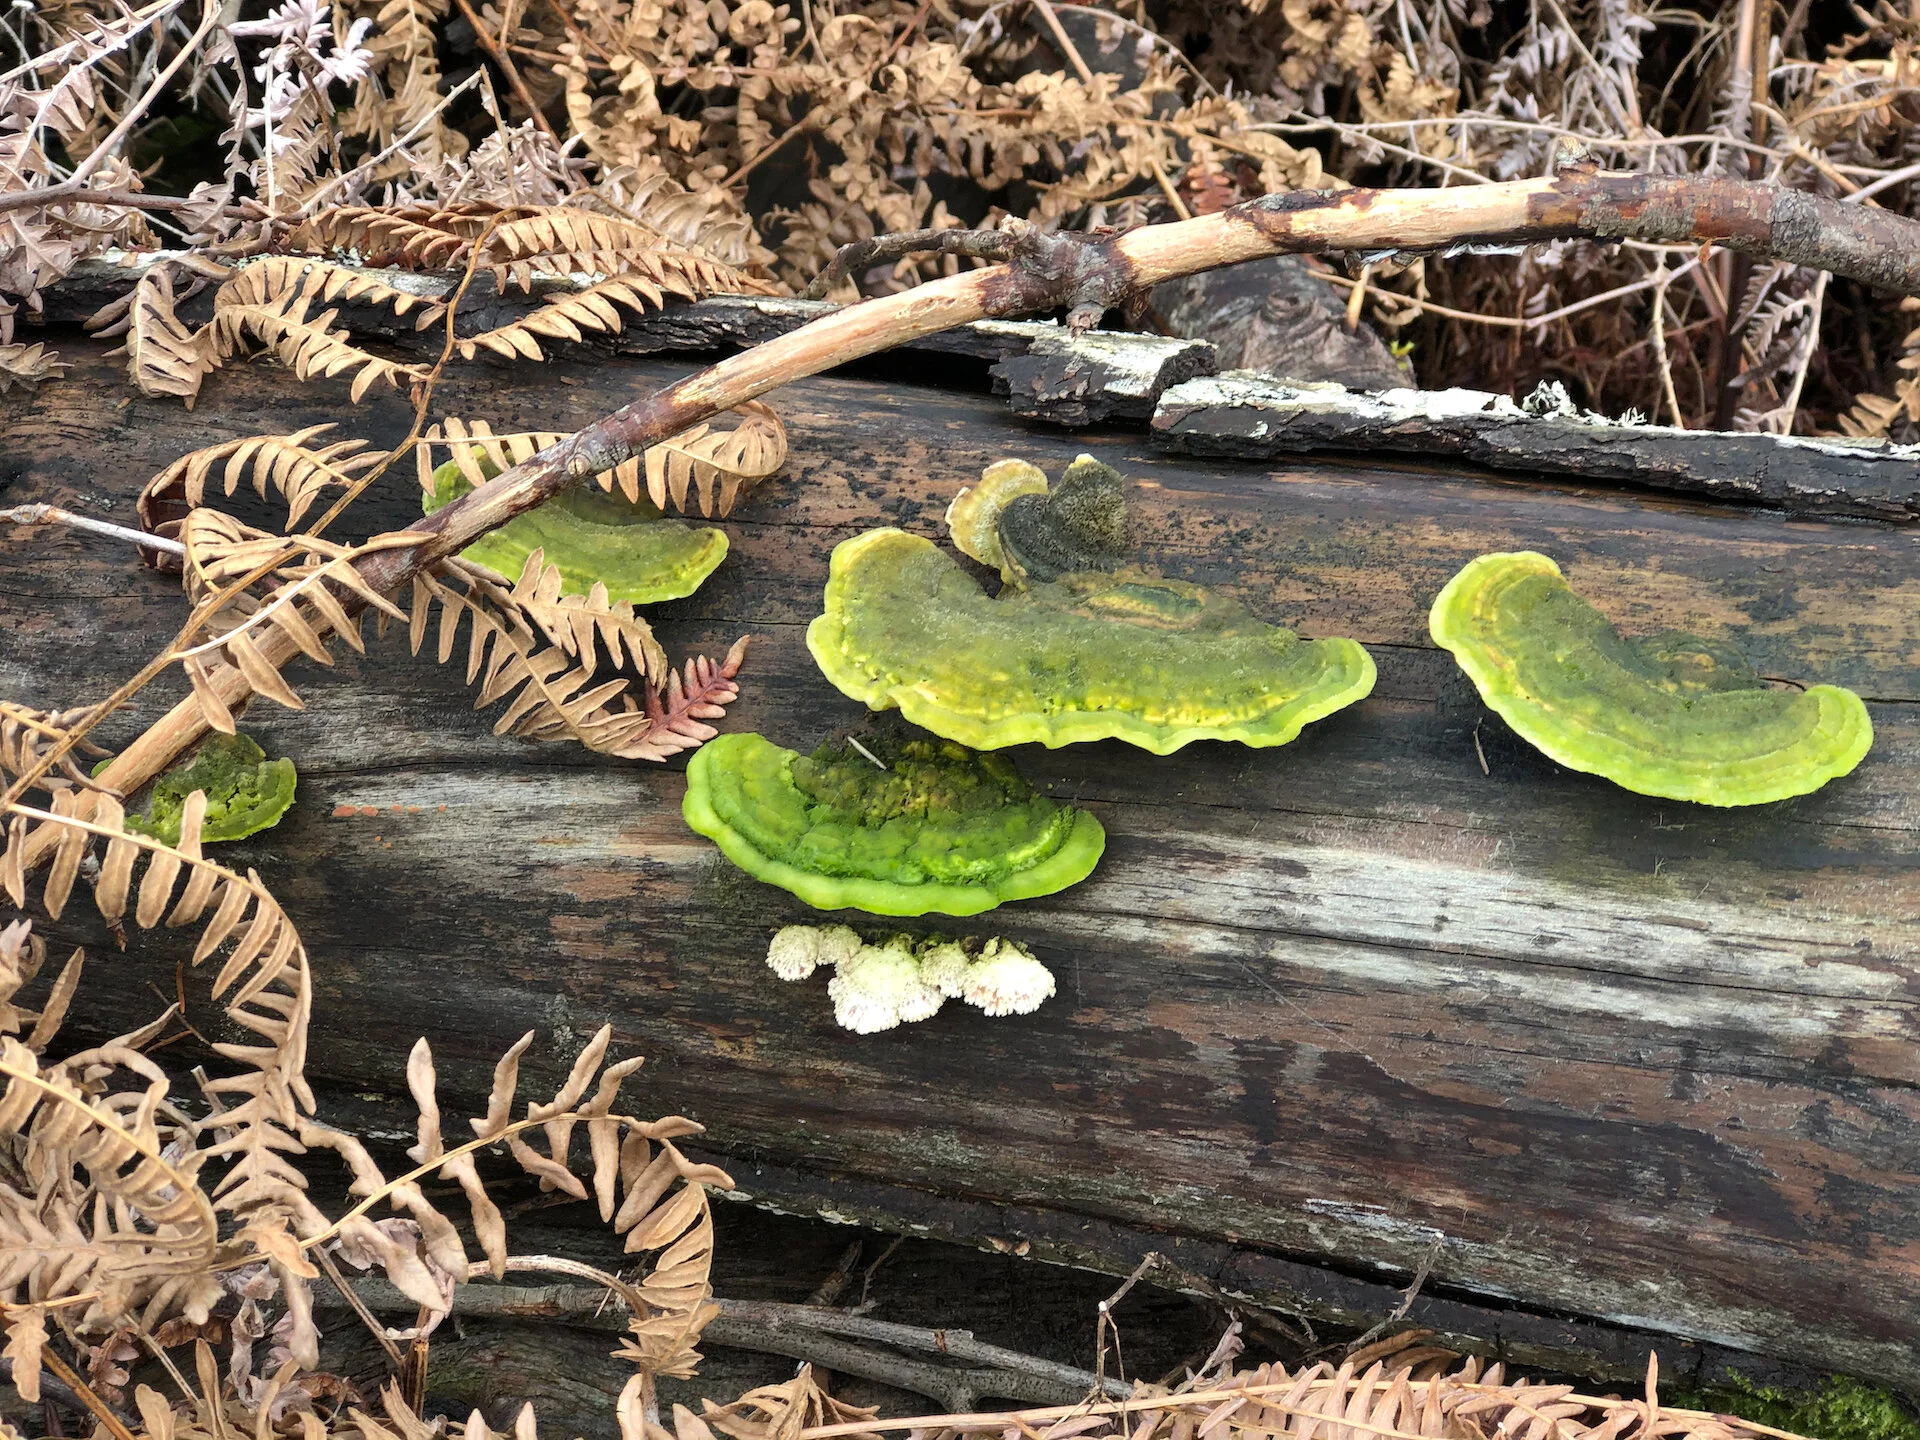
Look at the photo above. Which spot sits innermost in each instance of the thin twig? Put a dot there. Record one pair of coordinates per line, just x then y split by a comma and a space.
1064, 41
863, 254
37, 514
507, 68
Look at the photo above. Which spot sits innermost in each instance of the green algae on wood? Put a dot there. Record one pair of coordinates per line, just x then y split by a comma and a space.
1124, 655
640, 555
1668, 714
246, 792
940, 830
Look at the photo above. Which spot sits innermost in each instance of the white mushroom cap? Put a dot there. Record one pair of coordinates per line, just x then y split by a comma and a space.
944, 967
798, 950
1007, 980
794, 953
880, 987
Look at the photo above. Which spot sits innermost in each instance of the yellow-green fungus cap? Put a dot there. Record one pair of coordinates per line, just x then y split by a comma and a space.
630, 547
246, 792
1125, 656
1667, 715
940, 830
973, 519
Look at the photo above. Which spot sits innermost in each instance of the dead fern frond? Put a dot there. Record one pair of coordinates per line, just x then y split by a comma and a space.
568, 317
678, 715
164, 357
560, 240
22, 953
28, 365
550, 695
25, 734
266, 990
577, 623
287, 465
475, 448
303, 607
271, 303
271, 279
717, 464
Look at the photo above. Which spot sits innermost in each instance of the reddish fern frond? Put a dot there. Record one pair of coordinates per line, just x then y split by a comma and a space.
679, 710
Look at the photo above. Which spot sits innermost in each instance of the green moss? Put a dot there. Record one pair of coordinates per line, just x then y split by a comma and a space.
940, 830
1667, 715
1841, 1409
631, 548
246, 792
1092, 656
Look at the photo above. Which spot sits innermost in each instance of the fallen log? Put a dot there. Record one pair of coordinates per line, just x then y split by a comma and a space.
1623, 1069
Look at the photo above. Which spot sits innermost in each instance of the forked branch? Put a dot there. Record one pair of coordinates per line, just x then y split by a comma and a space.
1088, 274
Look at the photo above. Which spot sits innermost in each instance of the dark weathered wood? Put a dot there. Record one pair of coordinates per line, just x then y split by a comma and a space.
1253, 418
1640, 1062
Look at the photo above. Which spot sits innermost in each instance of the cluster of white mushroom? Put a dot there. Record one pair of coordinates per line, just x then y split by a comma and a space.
876, 987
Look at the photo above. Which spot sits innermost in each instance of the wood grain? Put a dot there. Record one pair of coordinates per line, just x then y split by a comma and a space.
1646, 1063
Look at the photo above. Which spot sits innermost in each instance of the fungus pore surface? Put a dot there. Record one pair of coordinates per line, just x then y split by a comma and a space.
940, 830
1668, 714
630, 547
1125, 655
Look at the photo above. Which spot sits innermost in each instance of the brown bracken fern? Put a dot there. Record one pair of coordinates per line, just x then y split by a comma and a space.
290, 466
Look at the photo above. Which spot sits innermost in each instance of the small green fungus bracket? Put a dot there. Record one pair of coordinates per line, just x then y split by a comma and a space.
1095, 652
629, 546
1668, 715
939, 830
246, 792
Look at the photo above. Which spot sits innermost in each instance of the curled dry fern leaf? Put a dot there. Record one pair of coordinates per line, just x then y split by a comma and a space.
538, 654
568, 317
717, 464
26, 733
269, 302
287, 465
304, 608
474, 446
575, 623
267, 992
164, 357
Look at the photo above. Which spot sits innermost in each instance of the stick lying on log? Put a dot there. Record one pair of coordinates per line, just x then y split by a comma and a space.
1089, 274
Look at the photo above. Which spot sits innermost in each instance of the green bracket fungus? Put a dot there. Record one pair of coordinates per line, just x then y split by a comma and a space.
1667, 715
628, 546
939, 830
1091, 656
973, 519
246, 792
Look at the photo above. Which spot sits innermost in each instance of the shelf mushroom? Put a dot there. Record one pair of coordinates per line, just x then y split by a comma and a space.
246, 792
639, 554
939, 829
1077, 646
1668, 714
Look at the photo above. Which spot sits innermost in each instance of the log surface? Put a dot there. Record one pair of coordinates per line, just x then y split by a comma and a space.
1353, 1002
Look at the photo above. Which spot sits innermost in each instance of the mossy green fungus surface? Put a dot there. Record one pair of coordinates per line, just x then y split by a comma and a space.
631, 548
941, 830
1122, 655
246, 792
1667, 714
